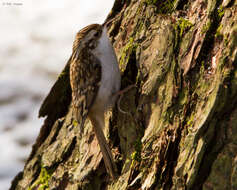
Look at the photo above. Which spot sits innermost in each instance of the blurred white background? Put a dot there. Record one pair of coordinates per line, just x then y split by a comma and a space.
35, 43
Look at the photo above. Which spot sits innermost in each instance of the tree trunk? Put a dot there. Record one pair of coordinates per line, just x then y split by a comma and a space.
180, 129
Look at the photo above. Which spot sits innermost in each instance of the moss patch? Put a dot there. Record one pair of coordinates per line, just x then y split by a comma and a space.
220, 12
218, 31
126, 52
183, 25
136, 155
163, 7
206, 27
42, 183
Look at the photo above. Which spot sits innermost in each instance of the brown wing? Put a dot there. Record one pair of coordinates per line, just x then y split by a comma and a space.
85, 76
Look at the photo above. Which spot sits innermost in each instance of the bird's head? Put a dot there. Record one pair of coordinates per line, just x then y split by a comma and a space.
88, 37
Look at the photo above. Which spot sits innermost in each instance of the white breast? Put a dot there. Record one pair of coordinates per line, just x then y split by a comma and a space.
111, 78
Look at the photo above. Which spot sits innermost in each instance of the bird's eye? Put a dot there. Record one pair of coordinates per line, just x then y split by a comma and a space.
96, 34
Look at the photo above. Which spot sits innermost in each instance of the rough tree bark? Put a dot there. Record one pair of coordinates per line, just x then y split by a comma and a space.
181, 128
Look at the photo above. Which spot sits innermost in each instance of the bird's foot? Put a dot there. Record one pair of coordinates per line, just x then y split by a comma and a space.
120, 94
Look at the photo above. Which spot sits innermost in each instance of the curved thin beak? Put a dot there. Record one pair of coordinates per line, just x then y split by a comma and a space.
107, 23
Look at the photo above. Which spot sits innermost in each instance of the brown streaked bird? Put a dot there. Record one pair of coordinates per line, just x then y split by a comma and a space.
95, 79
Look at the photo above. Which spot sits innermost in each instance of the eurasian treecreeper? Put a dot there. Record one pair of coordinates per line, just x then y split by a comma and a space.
95, 80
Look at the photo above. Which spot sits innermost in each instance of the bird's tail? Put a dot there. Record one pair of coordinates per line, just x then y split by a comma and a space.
106, 152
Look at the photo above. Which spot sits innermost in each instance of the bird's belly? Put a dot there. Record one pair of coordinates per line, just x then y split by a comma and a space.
110, 78
110, 85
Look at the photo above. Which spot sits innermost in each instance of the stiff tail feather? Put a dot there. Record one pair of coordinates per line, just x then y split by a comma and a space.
106, 152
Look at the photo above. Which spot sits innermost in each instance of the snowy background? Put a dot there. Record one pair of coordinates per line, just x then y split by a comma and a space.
35, 43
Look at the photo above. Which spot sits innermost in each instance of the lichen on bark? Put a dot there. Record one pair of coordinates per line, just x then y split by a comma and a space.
180, 130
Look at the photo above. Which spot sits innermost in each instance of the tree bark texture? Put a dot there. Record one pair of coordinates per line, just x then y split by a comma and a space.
180, 129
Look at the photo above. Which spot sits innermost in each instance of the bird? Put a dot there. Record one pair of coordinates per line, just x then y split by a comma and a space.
95, 80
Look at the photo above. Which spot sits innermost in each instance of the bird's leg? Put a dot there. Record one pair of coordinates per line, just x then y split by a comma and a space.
121, 92
97, 121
